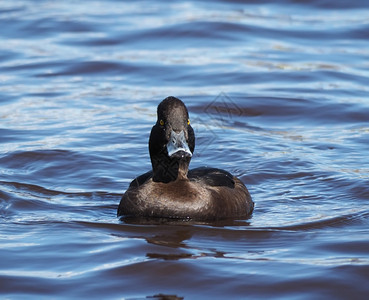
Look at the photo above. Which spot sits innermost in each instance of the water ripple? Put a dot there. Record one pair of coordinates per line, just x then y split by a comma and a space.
277, 94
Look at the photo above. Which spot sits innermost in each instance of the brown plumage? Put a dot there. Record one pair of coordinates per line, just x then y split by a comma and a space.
170, 190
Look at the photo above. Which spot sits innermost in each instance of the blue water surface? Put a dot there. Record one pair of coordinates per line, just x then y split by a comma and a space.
278, 95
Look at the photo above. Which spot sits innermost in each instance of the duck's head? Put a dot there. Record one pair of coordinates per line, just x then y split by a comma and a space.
172, 141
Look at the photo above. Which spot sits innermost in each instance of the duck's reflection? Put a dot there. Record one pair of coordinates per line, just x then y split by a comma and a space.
171, 234
175, 235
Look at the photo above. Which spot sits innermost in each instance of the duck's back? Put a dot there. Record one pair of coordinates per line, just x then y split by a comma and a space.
207, 194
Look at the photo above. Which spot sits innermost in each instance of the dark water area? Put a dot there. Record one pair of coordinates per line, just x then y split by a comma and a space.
278, 95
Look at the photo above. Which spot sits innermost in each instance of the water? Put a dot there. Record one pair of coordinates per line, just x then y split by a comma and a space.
278, 95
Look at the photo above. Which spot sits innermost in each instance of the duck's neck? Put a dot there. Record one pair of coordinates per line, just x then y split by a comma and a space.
169, 169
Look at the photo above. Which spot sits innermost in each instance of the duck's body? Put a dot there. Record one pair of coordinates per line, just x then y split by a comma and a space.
170, 190
205, 194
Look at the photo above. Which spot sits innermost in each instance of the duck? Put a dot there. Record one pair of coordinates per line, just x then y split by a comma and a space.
170, 190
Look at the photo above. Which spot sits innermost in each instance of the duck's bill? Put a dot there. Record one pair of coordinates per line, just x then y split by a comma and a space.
177, 145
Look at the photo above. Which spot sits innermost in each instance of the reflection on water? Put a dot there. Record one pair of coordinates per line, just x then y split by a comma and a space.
277, 94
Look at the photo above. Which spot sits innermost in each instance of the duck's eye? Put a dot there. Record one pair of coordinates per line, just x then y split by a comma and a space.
188, 122
161, 122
